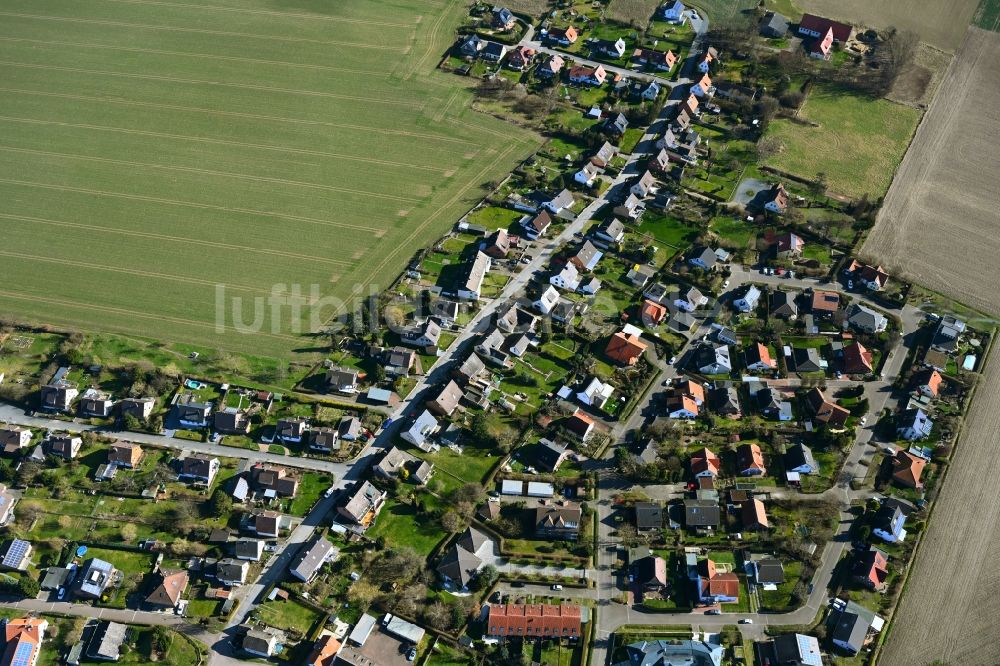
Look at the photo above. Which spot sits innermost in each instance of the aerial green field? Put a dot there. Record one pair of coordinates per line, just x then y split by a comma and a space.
857, 142
152, 150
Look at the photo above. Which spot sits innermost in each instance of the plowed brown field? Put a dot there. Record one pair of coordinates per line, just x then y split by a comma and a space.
940, 224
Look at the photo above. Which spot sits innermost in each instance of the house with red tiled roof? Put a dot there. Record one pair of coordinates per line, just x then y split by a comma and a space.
758, 357
168, 588
324, 652
873, 277
591, 76
811, 25
564, 36
23, 641
714, 586
534, 621
652, 313
580, 425
857, 359
690, 105
753, 515
703, 87
871, 569
750, 460
776, 199
681, 406
704, 463
661, 60
693, 389
625, 348
907, 469
824, 303
826, 411
821, 47
928, 382
520, 58
789, 246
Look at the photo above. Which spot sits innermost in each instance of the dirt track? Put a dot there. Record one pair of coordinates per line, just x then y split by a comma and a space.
940, 224
938, 22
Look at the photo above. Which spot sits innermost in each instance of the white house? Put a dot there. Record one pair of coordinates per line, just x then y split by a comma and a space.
596, 393
748, 301
568, 278
472, 282
690, 300
888, 524
587, 175
673, 11
547, 300
914, 425
423, 428
713, 359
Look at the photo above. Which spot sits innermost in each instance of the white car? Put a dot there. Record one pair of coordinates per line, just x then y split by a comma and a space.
557, 588
673, 359
746, 620
61, 593
725, 285
864, 420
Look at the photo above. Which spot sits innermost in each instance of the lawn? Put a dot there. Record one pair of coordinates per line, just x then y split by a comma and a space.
288, 614
667, 230
493, 217
311, 486
469, 466
733, 231
630, 140
858, 142
127, 562
402, 525
186, 158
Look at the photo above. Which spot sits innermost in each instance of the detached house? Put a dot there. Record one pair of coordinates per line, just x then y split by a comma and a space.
871, 569
913, 425
612, 49
232, 421
95, 403
493, 51
799, 458
14, 438
757, 357
673, 10
58, 396
888, 524
713, 586
748, 301
590, 76
708, 57
776, 199
625, 348
587, 175
520, 58
826, 411
424, 427
559, 202
311, 558
873, 278
567, 279
907, 469
446, 402
64, 446
199, 470
551, 66
703, 87
643, 187
857, 360
125, 455
821, 47
866, 320
502, 18
363, 505
661, 60
536, 227
471, 283
611, 231
425, 335
789, 246
138, 408
497, 244
192, 413
168, 588
811, 25
471, 46
704, 463
291, 429
580, 425
750, 460
562, 36
713, 359
558, 521
926, 383
753, 515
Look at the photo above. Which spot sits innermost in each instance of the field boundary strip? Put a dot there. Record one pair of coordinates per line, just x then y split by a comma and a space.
222, 84
176, 239
138, 313
211, 172
235, 114
207, 56
378, 232
265, 12
203, 31
137, 273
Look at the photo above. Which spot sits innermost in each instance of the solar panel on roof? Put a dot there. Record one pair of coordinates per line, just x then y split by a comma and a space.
15, 554
22, 656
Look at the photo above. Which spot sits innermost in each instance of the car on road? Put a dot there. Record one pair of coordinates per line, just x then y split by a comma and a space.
557, 588
850, 284
864, 420
517, 583
713, 611
890, 450
725, 285
525, 260
746, 620
673, 359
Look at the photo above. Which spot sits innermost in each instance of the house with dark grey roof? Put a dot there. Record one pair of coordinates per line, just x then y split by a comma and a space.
312, 557
768, 571
94, 402
64, 446
648, 516
248, 549
462, 561
232, 421
94, 577
106, 641
199, 470
673, 653
701, 514
773, 25
342, 380
59, 395
191, 412
232, 572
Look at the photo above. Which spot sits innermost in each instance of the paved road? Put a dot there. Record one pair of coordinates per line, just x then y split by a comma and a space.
15, 415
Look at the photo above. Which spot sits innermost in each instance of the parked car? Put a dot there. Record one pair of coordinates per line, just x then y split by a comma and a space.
746, 620
411, 654
557, 588
713, 611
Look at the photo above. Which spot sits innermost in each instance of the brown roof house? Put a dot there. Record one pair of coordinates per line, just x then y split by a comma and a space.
750, 460
139, 408
753, 515
64, 446
168, 588
446, 402
13, 439
58, 396
580, 424
267, 523
199, 470
95, 403
125, 455
907, 469
558, 521
497, 244
324, 439
826, 411
232, 421
625, 348
270, 478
